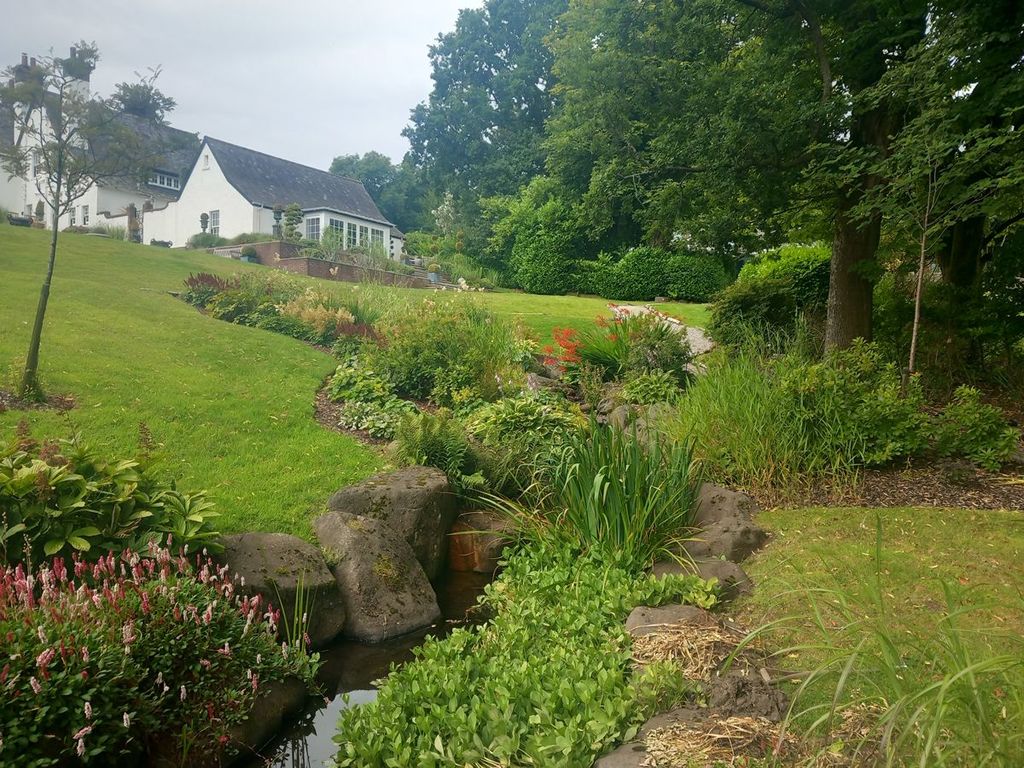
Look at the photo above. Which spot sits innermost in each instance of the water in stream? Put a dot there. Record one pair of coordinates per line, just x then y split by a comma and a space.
352, 668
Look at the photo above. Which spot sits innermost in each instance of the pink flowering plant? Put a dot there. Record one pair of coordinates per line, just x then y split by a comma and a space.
102, 661
58, 498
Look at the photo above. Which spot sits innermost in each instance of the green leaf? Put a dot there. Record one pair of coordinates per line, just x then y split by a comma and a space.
82, 545
53, 546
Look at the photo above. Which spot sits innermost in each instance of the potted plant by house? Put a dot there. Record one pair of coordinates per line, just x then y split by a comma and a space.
434, 272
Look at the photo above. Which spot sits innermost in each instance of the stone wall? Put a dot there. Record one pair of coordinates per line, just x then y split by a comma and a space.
285, 256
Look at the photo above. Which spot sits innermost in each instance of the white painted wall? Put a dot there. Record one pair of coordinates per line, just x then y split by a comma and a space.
206, 190
397, 248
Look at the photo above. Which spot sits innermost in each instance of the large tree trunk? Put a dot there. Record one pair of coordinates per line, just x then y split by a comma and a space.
960, 260
849, 291
854, 244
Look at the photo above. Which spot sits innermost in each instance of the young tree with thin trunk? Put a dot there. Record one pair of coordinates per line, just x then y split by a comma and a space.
66, 141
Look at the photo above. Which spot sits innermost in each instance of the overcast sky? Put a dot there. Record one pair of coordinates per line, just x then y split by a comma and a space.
304, 80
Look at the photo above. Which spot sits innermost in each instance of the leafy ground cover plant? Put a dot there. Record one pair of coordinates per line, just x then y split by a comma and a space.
62, 497
440, 440
104, 661
650, 388
546, 682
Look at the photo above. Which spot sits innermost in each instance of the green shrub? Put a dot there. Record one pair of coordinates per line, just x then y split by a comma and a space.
547, 681
628, 499
520, 438
439, 440
250, 237
102, 661
772, 290
650, 388
752, 308
206, 240
626, 345
853, 405
979, 432
695, 278
424, 340
639, 275
60, 498
283, 324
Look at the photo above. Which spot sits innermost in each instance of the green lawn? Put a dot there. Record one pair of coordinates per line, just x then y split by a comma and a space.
232, 406
977, 552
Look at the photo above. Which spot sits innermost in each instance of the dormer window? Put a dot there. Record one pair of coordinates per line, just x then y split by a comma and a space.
206, 161
165, 180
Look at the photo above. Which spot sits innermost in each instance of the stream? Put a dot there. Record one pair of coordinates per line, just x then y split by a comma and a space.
352, 667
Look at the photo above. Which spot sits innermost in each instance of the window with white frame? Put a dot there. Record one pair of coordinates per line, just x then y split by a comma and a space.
364, 235
377, 240
71, 215
166, 180
214, 222
85, 215
337, 225
350, 236
313, 228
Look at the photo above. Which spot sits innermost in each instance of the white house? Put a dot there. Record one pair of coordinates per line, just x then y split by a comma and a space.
238, 189
102, 203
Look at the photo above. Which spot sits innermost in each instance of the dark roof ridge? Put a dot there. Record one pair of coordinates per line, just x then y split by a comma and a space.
282, 159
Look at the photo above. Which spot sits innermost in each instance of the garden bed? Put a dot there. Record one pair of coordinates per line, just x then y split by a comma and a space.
922, 483
11, 402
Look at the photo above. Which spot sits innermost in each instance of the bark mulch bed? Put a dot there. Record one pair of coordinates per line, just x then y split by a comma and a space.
11, 402
946, 483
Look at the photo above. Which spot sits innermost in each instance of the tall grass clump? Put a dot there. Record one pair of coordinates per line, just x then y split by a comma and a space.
890, 692
740, 422
628, 499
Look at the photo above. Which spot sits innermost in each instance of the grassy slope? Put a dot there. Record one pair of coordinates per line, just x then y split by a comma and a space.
231, 405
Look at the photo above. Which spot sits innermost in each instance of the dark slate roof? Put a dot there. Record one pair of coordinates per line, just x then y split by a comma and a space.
268, 181
396, 232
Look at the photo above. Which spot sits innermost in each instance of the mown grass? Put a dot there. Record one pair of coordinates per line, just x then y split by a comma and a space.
231, 406
910, 619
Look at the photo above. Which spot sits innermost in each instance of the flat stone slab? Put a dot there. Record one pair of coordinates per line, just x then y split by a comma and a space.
643, 620
732, 580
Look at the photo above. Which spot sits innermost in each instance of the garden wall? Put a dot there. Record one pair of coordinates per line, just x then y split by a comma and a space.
283, 255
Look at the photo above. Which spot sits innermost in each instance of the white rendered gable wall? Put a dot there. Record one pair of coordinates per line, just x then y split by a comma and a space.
206, 190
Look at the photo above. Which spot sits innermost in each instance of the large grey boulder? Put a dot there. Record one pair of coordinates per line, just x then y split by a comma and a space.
732, 580
725, 525
384, 588
274, 565
416, 502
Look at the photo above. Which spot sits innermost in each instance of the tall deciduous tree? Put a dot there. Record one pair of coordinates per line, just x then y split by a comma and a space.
67, 141
480, 131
